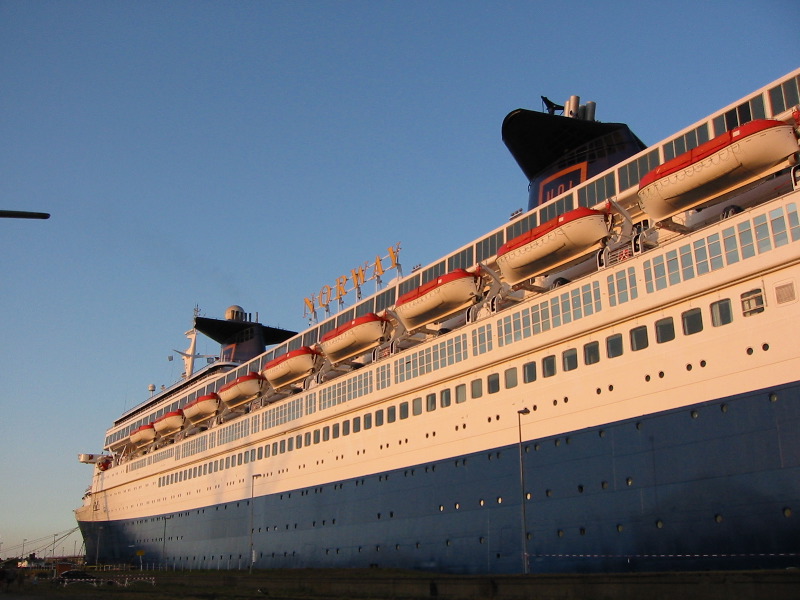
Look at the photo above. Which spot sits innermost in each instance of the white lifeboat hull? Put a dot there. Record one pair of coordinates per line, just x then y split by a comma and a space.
733, 159
353, 338
291, 367
143, 435
564, 239
437, 299
170, 423
241, 390
202, 409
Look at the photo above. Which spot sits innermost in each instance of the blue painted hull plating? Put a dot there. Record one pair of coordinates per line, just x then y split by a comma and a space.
712, 486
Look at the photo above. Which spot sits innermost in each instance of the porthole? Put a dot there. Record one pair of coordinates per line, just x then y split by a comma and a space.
481, 540
749, 351
620, 528
718, 518
787, 512
582, 531
610, 388
695, 414
441, 508
703, 364
661, 374
773, 397
499, 499
482, 502
456, 506
647, 377
765, 347
560, 533
638, 425
604, 485
555, 402
602, 433
599, 391
660, 524
528, 496
689, 367
580, 489
548, 493
536, 446
723, 407
629, 481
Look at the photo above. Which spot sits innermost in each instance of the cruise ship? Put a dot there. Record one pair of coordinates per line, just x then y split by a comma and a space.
607, 382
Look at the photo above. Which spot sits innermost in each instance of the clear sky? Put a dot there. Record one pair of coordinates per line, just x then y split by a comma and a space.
219, 153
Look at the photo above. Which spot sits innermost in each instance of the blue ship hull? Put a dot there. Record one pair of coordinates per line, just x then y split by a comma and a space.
711, 486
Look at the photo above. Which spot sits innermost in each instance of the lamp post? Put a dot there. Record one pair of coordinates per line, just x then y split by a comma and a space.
164, 542
252, 495
524, 411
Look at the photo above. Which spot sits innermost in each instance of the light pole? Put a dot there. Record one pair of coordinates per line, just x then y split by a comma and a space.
252, 495
524, 411
164, 542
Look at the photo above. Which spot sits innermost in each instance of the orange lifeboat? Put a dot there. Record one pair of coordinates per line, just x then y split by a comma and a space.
291, 367
712, 168
242, 389
354, 337
202, 409
438, 298
552, 244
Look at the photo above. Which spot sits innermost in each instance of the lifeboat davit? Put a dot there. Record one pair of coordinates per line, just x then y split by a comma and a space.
437, 298
731, 159
552, 244
143, 435
354, 337
169, 423
291, 367
201, 409
242, 389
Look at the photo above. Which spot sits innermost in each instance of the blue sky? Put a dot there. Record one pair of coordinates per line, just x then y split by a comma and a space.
219, 153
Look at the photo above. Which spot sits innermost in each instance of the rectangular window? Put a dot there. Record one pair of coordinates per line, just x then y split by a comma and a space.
416, 406
430, 402
444, 398
569, 359
403, 410
721, 312
368, 421
476, 388
665, 330
336, 430
378, 418
493, 383
591, 353
549, 366
752, 302
326, 434
461, 393
289, 446
529, 372
307, 441
692, 321
510, 377
639, 339
356, 424
391, 414
614, 345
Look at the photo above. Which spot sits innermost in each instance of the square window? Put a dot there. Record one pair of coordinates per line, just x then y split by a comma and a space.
614, 345
549, 366
665, 330
639, 339
591, 353
692, 321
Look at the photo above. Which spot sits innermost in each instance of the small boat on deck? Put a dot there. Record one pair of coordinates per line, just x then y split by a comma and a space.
291, 367
741, 155
354, 337
242, 389
202, 409
170, 423
438, 298
569, 236
143, 435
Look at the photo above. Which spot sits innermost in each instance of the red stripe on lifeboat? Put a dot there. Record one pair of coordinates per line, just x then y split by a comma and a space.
354, 337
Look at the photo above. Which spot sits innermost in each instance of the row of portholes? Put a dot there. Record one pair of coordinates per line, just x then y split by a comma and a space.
750, 350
